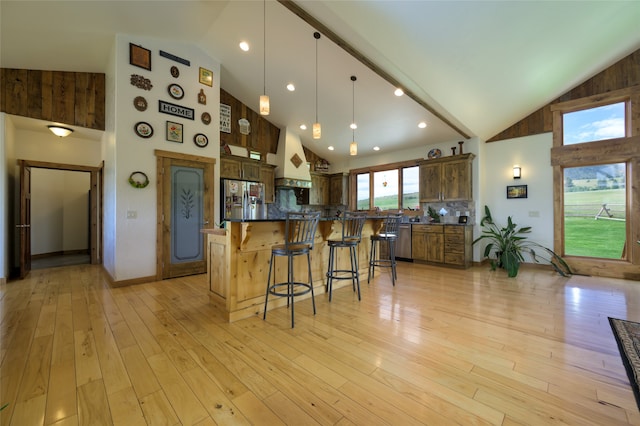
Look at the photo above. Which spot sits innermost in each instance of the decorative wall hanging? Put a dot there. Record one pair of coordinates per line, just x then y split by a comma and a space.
140, 103
202, 98
175, 58
177, 110
201, 140
517, 191
140, 82
139, 56
206, 76
175, 91
174, 132
175, 72
245, 126
206, 118
138, 180
434, 153
143, 129
225, 118
296, 160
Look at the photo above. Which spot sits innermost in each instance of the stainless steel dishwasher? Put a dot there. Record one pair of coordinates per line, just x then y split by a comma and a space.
403, 248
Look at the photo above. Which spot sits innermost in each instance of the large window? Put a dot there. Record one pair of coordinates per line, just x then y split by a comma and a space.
594, 151
389, 187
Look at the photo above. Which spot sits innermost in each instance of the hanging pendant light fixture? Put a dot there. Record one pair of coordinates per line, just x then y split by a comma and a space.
264, 99
317, 131
353, 147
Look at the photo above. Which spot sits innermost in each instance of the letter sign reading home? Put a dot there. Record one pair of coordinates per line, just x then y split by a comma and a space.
177, 110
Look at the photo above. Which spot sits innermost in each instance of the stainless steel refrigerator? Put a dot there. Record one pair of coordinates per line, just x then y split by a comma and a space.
242, 200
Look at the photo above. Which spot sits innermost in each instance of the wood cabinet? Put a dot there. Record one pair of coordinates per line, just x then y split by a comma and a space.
319, 192
267, 177
442, 244
446, 179
339, 189
239, 168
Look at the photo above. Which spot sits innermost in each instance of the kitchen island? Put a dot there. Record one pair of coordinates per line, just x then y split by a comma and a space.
239, 255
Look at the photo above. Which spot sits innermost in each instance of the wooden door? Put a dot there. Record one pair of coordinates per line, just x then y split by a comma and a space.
430, 182
24, 227
186, 195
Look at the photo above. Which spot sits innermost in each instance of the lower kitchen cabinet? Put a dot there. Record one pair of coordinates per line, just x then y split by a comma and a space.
448, 245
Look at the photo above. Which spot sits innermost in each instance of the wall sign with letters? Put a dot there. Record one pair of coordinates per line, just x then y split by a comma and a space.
177, 110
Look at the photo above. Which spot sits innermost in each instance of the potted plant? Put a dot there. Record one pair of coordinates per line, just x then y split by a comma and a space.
508, 244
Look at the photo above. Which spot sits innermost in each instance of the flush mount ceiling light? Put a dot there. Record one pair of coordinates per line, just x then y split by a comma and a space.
291, 87
60, 131
398, 92
244, 46
422, 124
316, 130
353, 147
264, 99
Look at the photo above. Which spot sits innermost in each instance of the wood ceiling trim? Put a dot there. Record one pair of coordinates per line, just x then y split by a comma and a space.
306, 17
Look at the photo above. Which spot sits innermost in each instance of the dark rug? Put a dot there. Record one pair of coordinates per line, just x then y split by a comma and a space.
627, 334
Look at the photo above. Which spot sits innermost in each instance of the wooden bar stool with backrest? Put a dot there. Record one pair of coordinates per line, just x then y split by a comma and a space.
388, 234
300, 232
352, 223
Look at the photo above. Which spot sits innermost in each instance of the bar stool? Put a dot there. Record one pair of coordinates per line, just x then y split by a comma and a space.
388, 234
352, 223
300, 231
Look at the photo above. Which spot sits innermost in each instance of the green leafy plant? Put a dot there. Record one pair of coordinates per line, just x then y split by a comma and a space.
435, 217
508, 244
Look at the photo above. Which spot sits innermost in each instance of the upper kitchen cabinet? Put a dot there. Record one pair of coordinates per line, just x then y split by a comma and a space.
267, 177
446, 179
319, 192
339, 189
239, 168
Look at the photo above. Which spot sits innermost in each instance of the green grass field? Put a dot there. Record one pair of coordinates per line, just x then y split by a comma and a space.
586, 236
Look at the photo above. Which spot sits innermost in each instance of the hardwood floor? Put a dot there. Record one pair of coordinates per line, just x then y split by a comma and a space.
442, 347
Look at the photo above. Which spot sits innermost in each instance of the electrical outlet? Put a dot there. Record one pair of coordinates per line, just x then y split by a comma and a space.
534, 213
132, 214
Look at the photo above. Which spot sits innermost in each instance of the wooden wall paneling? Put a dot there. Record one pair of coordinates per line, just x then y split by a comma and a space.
63, 97
16, 91
99, 120
34, 91
47, 102
82, 95
2, 89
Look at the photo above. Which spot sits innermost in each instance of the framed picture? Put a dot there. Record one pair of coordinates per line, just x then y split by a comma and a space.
517, 191
206, 76
174, 132
139, 56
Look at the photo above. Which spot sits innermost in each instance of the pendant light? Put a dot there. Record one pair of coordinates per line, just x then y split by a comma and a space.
264, 99
316, 126
353, 147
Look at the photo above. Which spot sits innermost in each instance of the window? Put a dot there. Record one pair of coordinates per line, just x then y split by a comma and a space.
595, 145
388, 187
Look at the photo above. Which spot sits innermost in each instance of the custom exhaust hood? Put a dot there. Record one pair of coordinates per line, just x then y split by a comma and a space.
292, 170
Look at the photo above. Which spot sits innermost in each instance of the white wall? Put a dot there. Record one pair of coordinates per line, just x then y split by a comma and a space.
132, 242
533, 154
59, 211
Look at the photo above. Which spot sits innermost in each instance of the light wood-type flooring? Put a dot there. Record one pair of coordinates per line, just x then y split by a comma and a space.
443, 347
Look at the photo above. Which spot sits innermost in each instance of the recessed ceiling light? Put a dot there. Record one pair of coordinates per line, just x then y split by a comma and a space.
353, 126
398, 92
291, 87
376, 148
330, 148
422, 124
303, 127
244, 46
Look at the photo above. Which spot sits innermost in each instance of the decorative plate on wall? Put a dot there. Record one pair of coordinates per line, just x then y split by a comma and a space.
175, 91
143, 129
175, 72
206, 118
434, 153
201, 140
140, 103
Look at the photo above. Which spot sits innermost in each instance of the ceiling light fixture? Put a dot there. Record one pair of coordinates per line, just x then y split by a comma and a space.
264, 99
316, 130
303, 127
60, 131
353, 147
422, 124
376, 148
244, 46
291, 87
398, 92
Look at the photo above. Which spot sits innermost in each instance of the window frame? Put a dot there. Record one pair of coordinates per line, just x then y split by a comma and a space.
353, 187
620, 150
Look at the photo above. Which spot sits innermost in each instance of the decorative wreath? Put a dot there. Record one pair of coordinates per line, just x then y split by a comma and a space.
136, 183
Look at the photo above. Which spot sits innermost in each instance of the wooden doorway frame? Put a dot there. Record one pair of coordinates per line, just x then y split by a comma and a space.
96, 200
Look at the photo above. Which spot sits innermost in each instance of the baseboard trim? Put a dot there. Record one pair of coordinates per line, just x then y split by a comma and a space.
124, 283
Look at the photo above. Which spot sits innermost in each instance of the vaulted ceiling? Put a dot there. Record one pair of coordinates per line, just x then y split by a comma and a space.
478, 65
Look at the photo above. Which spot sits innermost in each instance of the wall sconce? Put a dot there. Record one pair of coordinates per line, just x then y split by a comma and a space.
60, 131
517, 172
